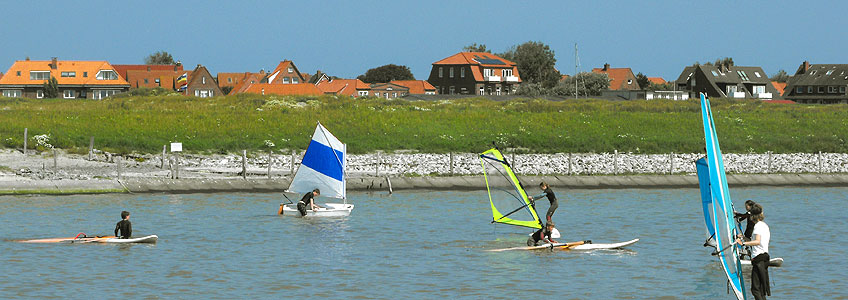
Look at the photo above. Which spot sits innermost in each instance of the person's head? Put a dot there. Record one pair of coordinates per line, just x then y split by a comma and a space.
749, 204
756, 213
549, 226
125, 215
316, 192
543, 185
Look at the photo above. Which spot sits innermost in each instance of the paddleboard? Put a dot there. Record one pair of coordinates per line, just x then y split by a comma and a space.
102, 239
774, 262
579, 245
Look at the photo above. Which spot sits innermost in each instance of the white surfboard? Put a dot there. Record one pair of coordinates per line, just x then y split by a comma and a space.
580, 245
104, 239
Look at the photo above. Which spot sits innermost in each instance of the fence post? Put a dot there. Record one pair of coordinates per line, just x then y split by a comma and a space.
118, 160
178, 165
291, 172
768, 171
569, 163
451, 162
244, 164
171, 167
615, 163
90, 147
26, 131
820, 162
671, 163
270, 152
377, 166
162, 165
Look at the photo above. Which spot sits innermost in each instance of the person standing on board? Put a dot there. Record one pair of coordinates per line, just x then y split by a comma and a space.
542, 236
308, 200
124, 226
759, 248
551, 197
749, 228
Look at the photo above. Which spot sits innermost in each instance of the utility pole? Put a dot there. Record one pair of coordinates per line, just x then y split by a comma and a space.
576, 64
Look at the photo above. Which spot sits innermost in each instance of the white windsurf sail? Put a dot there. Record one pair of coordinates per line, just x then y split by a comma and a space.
723, 222
323, 166
506, 195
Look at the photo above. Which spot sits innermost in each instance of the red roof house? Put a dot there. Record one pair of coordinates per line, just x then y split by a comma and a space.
620, 78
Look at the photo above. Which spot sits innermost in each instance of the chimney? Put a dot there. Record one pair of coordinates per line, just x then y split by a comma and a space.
806, 66
54, 63
606, 67
27, 58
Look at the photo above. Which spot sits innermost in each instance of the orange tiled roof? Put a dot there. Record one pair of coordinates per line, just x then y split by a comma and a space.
86, 73
123, 69
470, 58
779, 86
618, 78
167, 79
416, 86
347, 87
283, 89
282, 68
656, 80
249, 78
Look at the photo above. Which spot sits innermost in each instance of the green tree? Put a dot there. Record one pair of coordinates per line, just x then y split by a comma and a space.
531, 90
536, 63
159, 58
387, 73
642, 81
476, 48
226, 89
587, 84
721, 62
780, 76
51, 88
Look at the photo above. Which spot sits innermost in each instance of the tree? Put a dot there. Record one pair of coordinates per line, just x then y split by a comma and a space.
642, 81
476, 48
587, 84
51, 88
535, 62
387, 73
226, 89
159, 58
780, 76
721, 62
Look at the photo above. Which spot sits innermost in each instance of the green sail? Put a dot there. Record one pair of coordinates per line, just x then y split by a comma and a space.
506, 195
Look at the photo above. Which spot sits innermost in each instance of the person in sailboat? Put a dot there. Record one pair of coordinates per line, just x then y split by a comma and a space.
308, 201
759, 248
545, 235
547, 192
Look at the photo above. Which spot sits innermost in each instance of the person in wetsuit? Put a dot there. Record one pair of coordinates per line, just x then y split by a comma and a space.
124, 226
542, 236
308, 201
760, 261
551, 197
749, 227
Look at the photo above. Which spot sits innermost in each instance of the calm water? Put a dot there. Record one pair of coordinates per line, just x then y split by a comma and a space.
408, 245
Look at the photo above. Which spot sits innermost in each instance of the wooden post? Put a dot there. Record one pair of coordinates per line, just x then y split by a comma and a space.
450, 156
25, 140
615, 163
171, 167
671, 163
55, 161
118, 162
292, 164
244, 164
390, 185
569, 163
768, 170
377, 166
820, 162
177, 176
90, 147
164, 147
270, 152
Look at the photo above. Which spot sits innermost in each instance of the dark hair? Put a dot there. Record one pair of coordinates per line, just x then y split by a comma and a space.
756, 209
316, 191
750, 202
125, 214
541, 184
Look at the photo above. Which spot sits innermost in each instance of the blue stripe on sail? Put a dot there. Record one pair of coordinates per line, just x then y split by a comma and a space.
320, 158
706, 197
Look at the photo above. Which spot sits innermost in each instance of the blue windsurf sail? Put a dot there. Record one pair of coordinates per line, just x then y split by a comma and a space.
706, 199
722, 207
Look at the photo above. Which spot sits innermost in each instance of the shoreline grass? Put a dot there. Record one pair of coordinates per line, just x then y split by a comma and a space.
142, 124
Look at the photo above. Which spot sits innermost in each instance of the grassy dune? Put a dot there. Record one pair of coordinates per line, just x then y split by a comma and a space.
228, 124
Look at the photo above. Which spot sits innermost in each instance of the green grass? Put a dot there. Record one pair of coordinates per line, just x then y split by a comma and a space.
230, 124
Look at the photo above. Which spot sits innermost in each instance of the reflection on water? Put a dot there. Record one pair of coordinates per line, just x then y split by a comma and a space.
418, 244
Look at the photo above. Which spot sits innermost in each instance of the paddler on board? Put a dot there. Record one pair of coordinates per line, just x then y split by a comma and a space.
545, 235
547, 192
124, 226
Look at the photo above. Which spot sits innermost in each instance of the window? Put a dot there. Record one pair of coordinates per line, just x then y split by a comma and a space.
813, 72
295, 80
730, 90
68, 94
462, 72
203, 80
156, 80
498, 91
831, 89
291, 70
145, 81
106, 75
39, 75
450, 72
828, 72
743, 75
759, 89
693, 82
229, 80
452, 90
507, 72
84, 74
376, 94
363, 93
629, 81
809, 90
487, 72
821, 89
757, 74
69, 74
12, 93
799, 90
19, 73
440, 72
481, 91
714, 73
394, 95
285, 80
39, 94
103, 94
209, 93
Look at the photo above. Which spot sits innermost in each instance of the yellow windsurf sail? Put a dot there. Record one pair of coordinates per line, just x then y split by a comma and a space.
506, 195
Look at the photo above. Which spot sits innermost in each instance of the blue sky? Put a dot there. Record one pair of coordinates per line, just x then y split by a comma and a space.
346, 38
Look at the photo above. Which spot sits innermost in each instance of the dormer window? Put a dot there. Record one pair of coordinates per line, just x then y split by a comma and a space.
69, 74
39, 75
507, 72
757, 74
106, 75
828, 72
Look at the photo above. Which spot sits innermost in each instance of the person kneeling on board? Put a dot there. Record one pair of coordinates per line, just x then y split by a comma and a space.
308, 201
124, 226
759, 248
543, 236
551, 197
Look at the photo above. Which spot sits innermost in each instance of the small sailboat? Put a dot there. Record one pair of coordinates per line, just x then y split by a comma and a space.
323, 168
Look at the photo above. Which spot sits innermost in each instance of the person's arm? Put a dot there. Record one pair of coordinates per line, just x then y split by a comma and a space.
537, 197
753, 242
117, 226
129, 229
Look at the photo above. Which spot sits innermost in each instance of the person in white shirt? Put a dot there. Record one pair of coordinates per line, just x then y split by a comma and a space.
759, 252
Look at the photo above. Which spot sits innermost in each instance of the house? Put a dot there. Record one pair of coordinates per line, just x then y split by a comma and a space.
285, 73
200, 83
318, 77
166, 79
726, 82
621, 79
472, 73
235, 79
820, 83
134, 74
345, 87
656, 80
76, 79
244, 83
388, 90
779, 86
417, 87
300, 89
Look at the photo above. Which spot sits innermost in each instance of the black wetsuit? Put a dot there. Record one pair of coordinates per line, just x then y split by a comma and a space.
539, 235
552, 198
125, 227
304, 203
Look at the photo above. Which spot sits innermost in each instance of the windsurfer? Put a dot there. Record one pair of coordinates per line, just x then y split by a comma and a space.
308, 200
551, 197
749, 228
759, 248
124, 226
542, 236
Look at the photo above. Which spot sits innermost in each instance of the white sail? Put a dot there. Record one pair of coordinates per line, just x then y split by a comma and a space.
323, 166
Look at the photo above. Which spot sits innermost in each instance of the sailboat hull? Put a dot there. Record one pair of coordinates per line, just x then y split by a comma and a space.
328, 210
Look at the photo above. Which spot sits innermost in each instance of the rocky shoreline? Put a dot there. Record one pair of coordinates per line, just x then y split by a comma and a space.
73, 173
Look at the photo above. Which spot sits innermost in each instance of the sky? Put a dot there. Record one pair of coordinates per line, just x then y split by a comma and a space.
346, 38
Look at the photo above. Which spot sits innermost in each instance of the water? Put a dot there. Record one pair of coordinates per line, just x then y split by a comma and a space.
414, 244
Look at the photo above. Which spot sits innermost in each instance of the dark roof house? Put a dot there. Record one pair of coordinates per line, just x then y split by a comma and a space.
726, 82
819, 83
